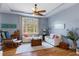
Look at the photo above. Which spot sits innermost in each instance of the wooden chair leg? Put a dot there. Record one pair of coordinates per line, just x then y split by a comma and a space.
12, 45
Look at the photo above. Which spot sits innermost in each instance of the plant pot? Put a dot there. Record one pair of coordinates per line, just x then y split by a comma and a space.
74, 45
77, 50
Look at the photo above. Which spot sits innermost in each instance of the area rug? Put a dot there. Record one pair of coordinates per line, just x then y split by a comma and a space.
28, 48
55, 51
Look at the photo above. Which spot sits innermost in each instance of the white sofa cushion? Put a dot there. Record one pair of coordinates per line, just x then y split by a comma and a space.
29, 38
26, 39
49, 40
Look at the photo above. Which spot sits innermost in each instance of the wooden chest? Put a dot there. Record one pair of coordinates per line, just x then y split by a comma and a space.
37, 42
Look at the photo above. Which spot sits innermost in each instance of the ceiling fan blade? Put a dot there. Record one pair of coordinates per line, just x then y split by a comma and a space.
42, 11
40, 14
20, 11
37, 13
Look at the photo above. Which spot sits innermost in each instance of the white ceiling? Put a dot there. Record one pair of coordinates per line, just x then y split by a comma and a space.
51, 8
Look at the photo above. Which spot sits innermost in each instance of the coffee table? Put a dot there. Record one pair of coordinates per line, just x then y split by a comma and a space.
36, 42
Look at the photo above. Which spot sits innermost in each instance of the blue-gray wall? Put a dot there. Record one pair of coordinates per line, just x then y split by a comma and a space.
10, 19
43, 24
69, 17
16, 19
0, 21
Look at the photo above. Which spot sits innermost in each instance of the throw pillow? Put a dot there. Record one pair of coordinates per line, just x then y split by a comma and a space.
3, 35
8, 35
26, 34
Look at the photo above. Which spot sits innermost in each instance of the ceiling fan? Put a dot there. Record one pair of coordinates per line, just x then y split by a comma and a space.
36, 11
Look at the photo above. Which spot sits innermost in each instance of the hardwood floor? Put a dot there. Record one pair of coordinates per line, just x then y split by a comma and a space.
44, 52
9, 51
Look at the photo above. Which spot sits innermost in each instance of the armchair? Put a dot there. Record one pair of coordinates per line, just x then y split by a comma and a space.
9, 40
0, 42
16, 37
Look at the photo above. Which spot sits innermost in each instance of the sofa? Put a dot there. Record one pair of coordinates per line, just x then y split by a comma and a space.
53, 39
26, 38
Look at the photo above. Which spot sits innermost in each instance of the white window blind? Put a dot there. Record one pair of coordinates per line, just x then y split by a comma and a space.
29, 25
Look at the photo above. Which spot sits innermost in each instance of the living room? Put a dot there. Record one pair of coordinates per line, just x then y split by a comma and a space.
54, 24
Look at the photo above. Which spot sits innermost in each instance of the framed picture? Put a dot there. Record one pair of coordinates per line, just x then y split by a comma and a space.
8, 25
59, 26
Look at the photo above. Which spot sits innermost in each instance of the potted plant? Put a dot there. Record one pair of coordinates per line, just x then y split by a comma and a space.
74, 37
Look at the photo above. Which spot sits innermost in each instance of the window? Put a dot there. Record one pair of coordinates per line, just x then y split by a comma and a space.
29, 25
